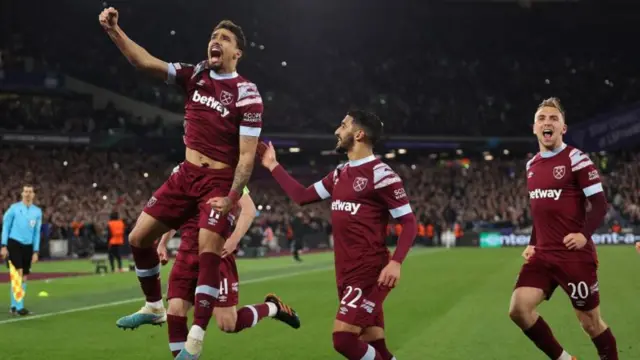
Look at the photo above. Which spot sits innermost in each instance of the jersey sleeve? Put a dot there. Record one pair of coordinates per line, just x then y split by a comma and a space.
250, 105
245, 191
324, 187
585, 173
7, 222
179, 74
390, 188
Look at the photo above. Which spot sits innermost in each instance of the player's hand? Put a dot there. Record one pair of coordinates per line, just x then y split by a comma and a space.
229, 247
162, 253
638, 247
268, 152
221, 204
34, 258
108, 18
390, 275
4, 253
575, 241
528, 252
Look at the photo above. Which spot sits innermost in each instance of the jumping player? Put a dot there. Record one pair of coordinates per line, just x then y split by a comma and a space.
363, 191
561, 180
182, 286
223, 119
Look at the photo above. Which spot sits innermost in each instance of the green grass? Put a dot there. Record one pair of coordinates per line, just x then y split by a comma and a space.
449, 305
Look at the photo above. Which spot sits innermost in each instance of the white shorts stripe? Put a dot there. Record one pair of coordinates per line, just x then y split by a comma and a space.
208, 290
400, 211
148, 272
255, 315
176, 346
250, 131
321, 190
370, 355
593, 189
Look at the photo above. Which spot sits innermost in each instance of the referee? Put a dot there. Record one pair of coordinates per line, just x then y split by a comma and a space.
20, 243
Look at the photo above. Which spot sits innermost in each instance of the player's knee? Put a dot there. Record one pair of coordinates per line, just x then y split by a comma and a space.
371, 334
520, 313
209, 241
178, 307
344, 341
592, 323
135, 238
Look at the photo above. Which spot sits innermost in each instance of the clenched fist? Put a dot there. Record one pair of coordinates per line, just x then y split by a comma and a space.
528, 252
108, 18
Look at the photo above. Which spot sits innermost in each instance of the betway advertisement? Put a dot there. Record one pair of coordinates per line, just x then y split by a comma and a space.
497, 239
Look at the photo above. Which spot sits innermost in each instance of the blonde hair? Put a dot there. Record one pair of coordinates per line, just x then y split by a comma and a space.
553, 102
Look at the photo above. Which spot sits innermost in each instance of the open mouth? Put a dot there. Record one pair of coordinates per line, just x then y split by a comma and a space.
215, 52
547, 134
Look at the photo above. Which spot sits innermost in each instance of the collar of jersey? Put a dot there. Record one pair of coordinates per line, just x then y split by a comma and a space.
552, 153
362, 161
217, 76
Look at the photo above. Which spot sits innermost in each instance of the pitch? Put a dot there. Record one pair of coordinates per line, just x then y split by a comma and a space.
450, 305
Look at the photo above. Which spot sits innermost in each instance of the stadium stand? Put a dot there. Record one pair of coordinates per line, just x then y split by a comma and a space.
422, 85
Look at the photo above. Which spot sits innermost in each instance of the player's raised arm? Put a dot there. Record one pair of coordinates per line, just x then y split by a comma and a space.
245, 219
297, 192
136, 54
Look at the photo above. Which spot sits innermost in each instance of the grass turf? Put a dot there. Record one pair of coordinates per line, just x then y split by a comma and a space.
450, 305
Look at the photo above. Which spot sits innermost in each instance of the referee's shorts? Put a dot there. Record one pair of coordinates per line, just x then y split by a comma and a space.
20, 256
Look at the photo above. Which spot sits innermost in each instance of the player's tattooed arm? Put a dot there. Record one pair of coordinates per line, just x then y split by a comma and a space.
248, 146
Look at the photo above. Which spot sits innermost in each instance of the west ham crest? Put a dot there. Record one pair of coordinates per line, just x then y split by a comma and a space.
360, 184
558, 172
226, 97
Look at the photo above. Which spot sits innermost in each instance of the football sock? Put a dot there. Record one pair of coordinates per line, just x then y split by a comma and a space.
381, 347
351, 347
148, 272
207, 289
250, 315
606, 345
177, 333
541, 335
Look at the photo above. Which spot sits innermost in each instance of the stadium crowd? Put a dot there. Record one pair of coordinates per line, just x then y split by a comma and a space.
481, 79
78, 189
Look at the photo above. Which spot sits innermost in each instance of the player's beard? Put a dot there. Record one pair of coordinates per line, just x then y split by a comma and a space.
345, 144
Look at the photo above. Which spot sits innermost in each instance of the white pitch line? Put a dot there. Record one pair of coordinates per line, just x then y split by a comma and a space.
121, 302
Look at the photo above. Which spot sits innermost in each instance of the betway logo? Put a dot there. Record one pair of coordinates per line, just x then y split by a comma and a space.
545, 194
351, 208
211, 102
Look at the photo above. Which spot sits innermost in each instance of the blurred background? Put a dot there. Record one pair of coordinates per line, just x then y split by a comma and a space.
455, 82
